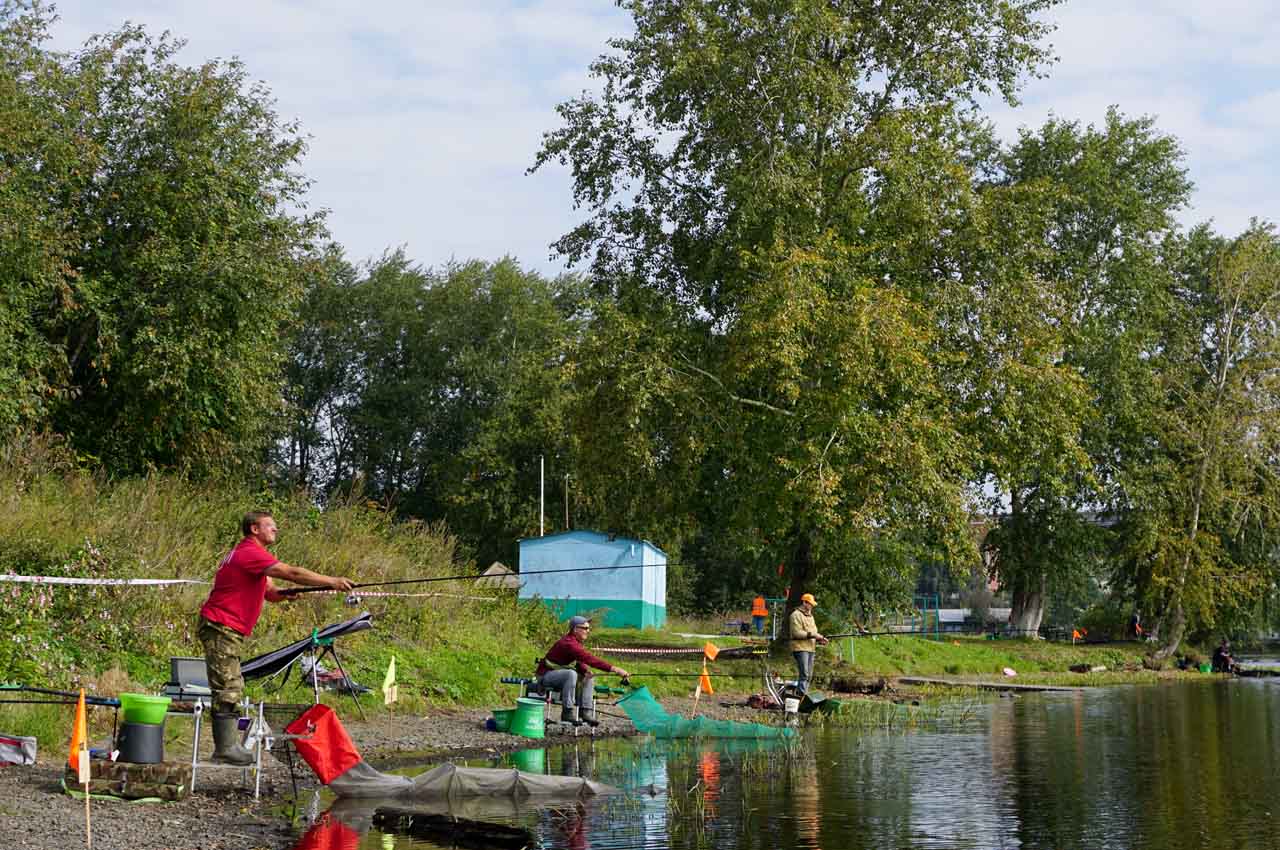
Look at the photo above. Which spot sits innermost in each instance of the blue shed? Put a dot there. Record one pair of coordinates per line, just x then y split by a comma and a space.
633, 595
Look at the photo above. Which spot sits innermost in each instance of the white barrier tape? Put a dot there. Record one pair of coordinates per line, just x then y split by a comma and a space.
100, 582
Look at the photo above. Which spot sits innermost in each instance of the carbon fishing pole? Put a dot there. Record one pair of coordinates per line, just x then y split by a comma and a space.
914, 634
716, 674
294, 591
879, 634
73, 696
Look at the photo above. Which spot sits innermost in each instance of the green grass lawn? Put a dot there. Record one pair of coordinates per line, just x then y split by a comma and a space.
968, 655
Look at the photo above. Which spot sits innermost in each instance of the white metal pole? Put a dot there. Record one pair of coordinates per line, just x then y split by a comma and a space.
542, 493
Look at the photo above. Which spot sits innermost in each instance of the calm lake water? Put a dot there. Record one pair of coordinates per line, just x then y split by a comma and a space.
1168, 767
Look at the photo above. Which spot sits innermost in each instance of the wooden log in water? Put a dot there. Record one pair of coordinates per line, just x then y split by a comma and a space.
857, 684
1256, 672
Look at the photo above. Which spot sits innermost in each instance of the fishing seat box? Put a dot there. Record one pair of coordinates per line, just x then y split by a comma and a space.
188, 680
188, 671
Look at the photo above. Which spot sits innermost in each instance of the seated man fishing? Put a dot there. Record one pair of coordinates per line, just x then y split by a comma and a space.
1222, 660
567, 666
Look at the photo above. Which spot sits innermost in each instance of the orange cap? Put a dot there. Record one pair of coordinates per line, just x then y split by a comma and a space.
808, 597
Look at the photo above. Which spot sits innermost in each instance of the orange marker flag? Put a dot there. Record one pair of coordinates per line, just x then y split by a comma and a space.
710, 651
77, 734
704, 681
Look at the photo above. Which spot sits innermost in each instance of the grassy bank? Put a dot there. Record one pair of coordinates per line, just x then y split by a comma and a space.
451, 640
1037, 660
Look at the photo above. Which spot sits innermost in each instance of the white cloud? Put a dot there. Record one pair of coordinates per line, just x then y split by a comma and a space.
425, 116
1261, 110
1200, 69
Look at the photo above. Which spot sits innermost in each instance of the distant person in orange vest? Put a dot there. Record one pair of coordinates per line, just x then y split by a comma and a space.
759, 611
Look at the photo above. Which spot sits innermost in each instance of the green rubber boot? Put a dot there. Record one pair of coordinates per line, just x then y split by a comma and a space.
226, 743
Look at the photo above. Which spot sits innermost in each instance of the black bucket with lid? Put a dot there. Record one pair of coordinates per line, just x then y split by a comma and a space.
141, 743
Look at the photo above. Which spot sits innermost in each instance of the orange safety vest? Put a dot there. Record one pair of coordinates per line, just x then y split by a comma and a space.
758, 608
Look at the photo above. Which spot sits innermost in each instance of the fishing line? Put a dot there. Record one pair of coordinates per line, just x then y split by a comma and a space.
50, 581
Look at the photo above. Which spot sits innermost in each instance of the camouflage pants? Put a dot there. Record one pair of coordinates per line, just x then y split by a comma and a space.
222, 647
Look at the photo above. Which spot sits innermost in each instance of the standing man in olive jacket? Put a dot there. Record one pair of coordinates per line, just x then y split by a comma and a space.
804, 640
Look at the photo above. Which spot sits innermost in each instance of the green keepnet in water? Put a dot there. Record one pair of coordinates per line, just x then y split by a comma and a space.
652, 719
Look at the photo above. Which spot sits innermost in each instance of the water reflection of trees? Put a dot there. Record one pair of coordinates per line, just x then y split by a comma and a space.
1149, 767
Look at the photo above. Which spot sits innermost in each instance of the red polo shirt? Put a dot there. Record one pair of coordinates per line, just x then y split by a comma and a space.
239, 587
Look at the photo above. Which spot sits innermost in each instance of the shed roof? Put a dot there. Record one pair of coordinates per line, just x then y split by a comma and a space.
579, 532
499, 575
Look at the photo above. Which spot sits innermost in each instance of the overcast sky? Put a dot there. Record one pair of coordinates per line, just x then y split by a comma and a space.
424, 116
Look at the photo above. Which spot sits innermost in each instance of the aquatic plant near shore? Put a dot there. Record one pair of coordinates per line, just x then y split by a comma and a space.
868, 715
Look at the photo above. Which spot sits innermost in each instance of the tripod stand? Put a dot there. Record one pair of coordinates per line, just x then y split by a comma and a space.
319, 648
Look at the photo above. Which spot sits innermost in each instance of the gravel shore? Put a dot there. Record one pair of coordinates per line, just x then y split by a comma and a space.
35, 812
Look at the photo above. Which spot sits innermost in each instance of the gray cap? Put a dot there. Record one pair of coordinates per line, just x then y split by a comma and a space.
576, 621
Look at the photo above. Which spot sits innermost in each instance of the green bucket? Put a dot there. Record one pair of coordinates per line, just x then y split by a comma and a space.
530, 718
502, 719
1206, 668
530, 761
144, 709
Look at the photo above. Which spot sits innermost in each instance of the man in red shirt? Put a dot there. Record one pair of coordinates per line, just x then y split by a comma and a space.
228, 616
565, 662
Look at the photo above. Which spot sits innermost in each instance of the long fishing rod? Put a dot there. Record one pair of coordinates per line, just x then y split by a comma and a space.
294, 591
715, 673
881, 634
870, 634
907, 634
110, 702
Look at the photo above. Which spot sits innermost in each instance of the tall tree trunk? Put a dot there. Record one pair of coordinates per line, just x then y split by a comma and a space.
1178, 617
1028, 578
1174, 627
802, 571
1028, 608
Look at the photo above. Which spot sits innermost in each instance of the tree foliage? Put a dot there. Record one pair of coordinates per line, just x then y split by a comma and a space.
828, 318
153, 254
774, 193
1103, 205
1200, 481
436, 392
